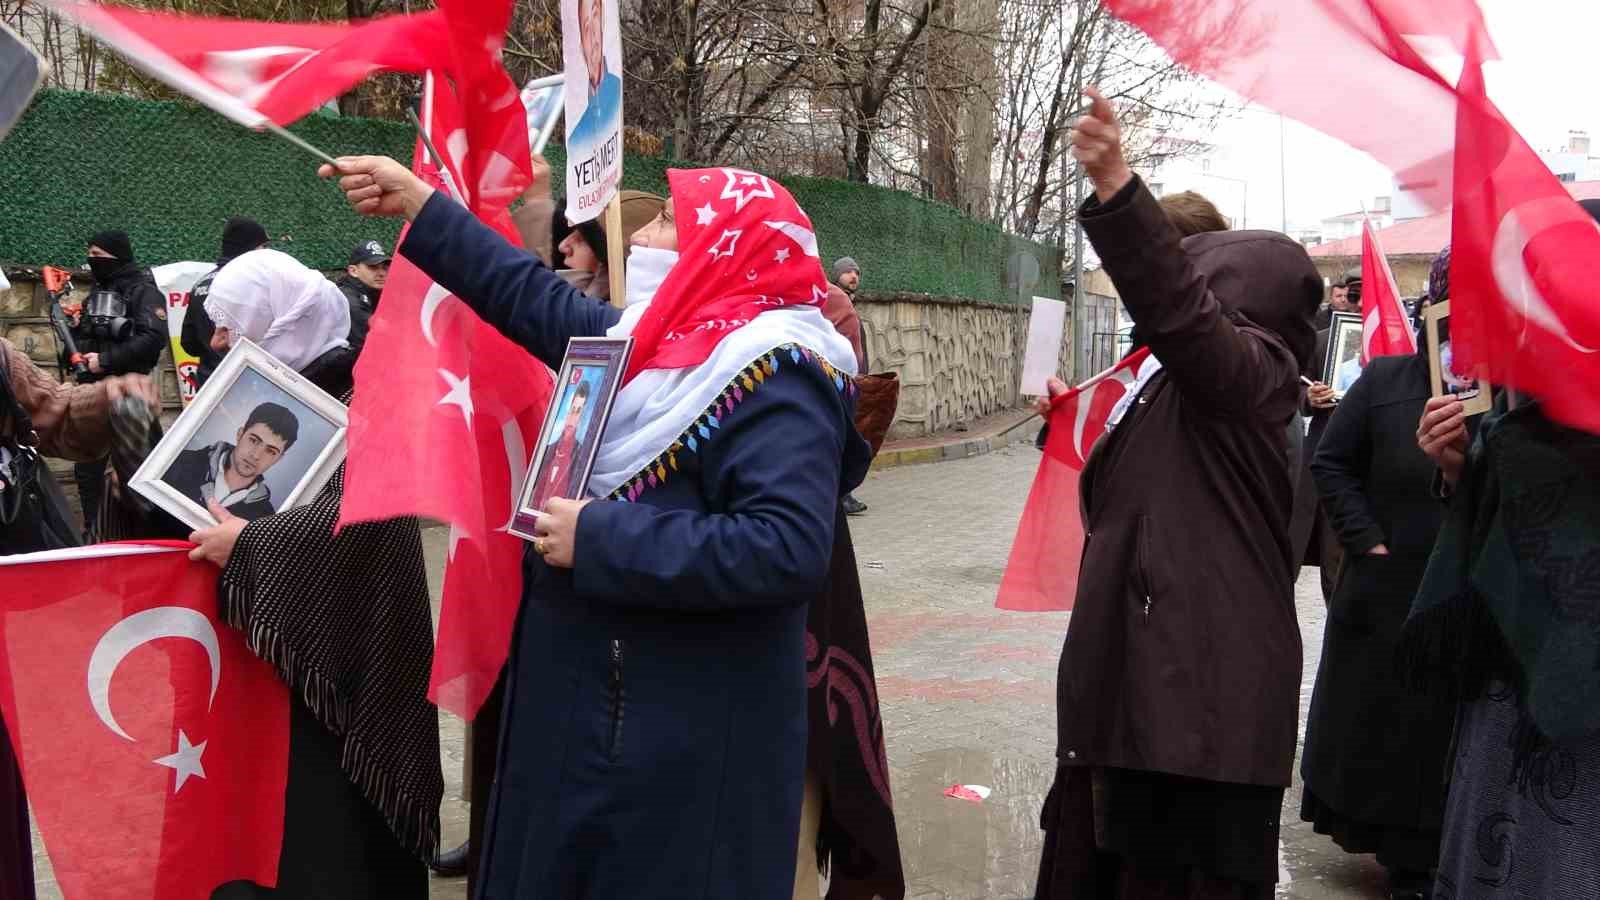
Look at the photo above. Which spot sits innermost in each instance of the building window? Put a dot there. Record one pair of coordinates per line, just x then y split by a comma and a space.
1567, 177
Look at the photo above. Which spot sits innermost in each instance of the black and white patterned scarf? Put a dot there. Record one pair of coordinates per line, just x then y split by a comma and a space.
344, 618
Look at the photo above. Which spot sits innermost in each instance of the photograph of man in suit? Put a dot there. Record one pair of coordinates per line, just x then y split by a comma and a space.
234, 474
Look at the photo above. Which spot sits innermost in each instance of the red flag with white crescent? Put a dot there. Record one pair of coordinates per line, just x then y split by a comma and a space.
1524, 262
259, 72
1385, 328
442, 425
1042, 573
153, 744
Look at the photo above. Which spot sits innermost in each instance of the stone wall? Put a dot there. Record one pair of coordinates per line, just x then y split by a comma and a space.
958, 360
25, 322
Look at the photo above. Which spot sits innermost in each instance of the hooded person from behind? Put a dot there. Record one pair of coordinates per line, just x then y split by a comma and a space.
1179, 680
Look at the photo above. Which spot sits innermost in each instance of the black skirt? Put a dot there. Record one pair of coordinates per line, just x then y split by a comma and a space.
16, 840
336, 845
1397, 847
1110, 830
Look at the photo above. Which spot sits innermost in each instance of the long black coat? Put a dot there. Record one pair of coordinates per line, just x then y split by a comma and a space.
1183, 654
1375, 751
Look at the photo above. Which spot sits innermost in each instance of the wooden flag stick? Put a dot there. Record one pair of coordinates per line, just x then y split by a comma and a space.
616, 253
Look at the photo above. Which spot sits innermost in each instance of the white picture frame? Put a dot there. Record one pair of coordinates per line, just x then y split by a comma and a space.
247, 382
592, 368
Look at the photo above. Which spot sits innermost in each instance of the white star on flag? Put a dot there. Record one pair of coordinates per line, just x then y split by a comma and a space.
758, 186
185, 762
460, 394
731, 235
783, 255
705, 215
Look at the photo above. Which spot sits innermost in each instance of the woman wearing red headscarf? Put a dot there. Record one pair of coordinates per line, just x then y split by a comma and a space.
655, 733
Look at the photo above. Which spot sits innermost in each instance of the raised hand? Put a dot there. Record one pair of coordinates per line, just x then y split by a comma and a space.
1442, 435
1097, 144
379, 186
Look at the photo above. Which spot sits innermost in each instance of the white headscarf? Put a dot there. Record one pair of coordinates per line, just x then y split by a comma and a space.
291, 311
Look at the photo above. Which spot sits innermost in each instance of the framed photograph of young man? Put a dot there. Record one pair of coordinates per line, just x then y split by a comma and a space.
258, 439
1473, 393
569, 440
1344, 353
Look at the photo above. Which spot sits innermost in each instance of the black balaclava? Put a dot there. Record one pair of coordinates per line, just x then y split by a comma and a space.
115, 243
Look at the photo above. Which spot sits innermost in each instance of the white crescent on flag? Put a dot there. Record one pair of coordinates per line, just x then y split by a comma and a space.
134, 632
1511, 239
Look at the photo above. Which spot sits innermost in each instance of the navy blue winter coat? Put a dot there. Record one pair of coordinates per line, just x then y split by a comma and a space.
655, 727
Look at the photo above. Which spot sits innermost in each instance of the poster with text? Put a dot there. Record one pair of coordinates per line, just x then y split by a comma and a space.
591, 45
175, 280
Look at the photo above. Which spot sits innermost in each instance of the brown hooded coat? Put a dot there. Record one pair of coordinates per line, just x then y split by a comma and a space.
1183, 653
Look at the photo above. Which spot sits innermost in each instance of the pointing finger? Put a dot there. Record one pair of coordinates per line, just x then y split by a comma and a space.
1100, 108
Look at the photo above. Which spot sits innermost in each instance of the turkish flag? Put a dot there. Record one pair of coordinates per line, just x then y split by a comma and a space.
1385, 330
442, 424
260, 72
1042, 573
490, 143
153, 744
1523, 268
1285, 54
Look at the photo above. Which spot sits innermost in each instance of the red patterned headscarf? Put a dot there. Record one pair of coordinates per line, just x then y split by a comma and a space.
744, 248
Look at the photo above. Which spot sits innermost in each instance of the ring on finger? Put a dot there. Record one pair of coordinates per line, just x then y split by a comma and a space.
538, 546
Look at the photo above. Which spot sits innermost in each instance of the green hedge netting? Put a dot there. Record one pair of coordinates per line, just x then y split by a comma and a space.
171, 173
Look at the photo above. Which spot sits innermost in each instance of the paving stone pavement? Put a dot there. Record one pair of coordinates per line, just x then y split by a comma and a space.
968, 691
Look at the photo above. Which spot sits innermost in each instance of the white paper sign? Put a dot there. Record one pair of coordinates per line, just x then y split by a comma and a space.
1045, 328
174, 281
591, 48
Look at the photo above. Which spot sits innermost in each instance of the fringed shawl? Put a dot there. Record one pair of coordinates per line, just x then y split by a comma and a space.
1512, 592
345, 620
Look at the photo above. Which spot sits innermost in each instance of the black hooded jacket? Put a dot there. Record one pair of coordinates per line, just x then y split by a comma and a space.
140, 352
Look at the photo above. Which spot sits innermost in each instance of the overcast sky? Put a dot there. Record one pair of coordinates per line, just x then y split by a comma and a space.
1547, 82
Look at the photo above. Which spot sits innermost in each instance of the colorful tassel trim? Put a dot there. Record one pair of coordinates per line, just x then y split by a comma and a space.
656, 472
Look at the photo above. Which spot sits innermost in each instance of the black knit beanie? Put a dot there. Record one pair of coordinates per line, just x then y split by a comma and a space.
240, 236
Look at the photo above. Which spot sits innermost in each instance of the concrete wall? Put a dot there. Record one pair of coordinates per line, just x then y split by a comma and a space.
958, 360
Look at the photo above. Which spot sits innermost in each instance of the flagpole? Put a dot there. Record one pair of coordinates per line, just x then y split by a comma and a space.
295, 139
616, 253
438, 160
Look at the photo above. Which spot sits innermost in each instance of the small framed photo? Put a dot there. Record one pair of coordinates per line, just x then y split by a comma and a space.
569, 441
1473, 393
544, 98
1344, 353
259, 439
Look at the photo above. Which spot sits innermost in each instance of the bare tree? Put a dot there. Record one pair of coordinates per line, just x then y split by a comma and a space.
1049, 51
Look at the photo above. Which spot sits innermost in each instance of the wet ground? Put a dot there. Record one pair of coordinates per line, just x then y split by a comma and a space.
968, 692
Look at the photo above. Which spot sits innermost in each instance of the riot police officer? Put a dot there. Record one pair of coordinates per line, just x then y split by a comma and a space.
120, 330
